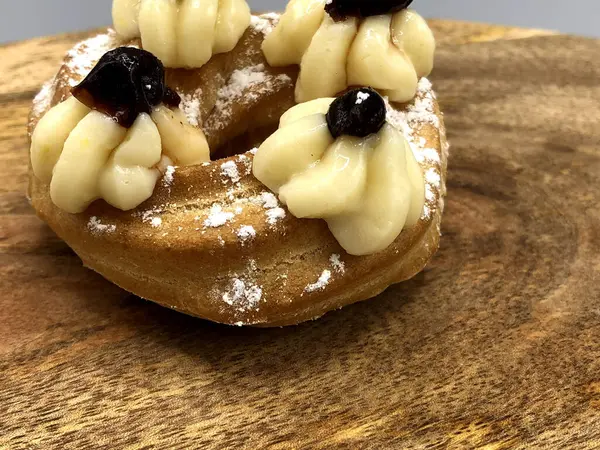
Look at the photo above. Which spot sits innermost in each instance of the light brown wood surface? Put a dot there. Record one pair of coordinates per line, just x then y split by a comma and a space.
496, 345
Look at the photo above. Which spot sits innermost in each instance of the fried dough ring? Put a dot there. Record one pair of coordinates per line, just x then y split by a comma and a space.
291, 270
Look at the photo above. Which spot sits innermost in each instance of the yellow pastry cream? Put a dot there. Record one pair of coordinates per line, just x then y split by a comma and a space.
182, 33
339, 44
110, 139
340, 160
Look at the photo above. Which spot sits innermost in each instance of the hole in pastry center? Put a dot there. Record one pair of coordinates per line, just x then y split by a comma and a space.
239, 109
249, 124
244, 142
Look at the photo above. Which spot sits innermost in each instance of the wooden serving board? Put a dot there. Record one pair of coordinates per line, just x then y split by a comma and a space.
496, 345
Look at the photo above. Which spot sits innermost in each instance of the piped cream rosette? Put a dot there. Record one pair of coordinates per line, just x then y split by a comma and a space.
389, 52
183, 33
368, 189
85, 154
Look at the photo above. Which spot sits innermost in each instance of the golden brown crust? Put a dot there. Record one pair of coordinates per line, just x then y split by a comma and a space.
174, 250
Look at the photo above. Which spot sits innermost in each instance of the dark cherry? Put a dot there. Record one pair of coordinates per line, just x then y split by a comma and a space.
126, 82
359, 112
341, 9
171, 98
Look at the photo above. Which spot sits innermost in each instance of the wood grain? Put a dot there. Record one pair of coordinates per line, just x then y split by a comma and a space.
496, 345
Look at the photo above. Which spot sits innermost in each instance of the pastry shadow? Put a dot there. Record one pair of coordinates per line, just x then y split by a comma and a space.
335, 338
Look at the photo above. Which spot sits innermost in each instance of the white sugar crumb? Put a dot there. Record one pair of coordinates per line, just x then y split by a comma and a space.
246, 233
274, 212
243, 293
321, 283
247, 163
254, 151
265, 23
275, 215
169, 176
361, 97
217, 217
426, 154
96, 226
150, 216
337, 263
429, 193
426, 211
190, 105
269, 200
230, 171
337, 266
433, 177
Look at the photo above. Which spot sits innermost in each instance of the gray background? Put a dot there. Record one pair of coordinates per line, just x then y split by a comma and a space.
23, 19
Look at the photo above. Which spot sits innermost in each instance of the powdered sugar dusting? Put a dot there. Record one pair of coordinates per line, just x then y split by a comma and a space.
321, 283
82, 58
169, 176
243, 293
248, 83
240, 80
426, 211
336, 266
409, 121
246, 162
265, 22
43, 100
150, 216
432, 177
246, 233
230, 171
337, 263
275, 215
217, 217
429, 193
274, 211
269, 200
426, 155
95, 226
423, 109
190, 105
421, 112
